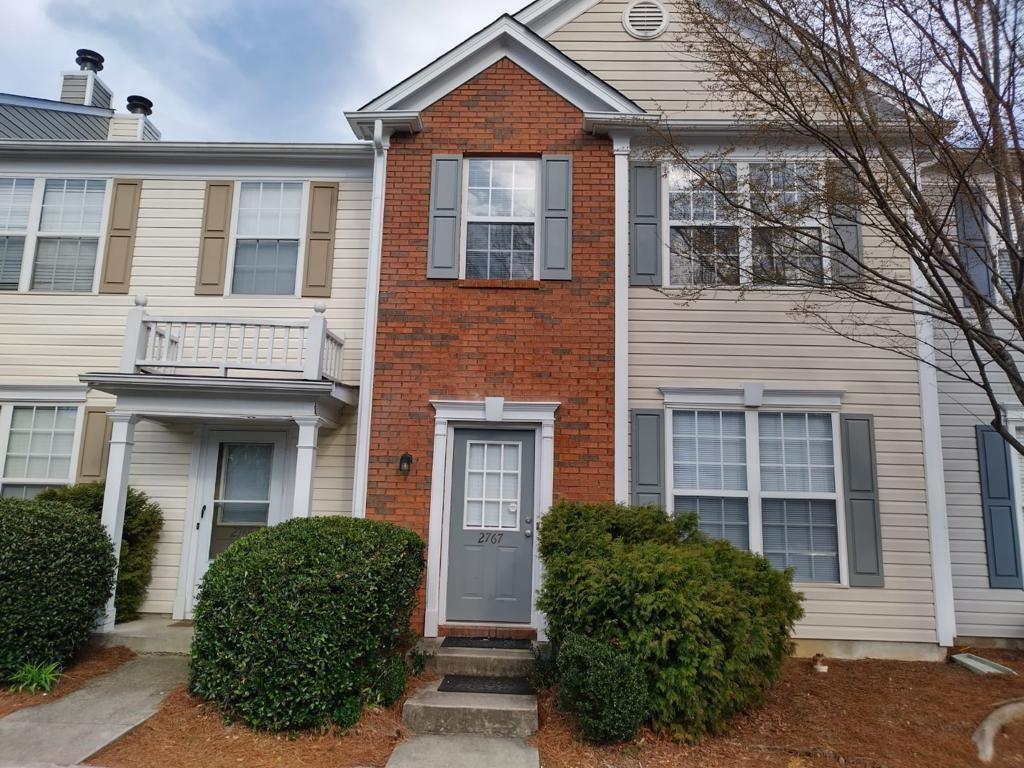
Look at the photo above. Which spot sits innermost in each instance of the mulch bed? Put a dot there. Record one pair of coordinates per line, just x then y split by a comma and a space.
90, 663
188, 733
875, 714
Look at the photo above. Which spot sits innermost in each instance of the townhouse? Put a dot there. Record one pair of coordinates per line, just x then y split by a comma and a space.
469, 313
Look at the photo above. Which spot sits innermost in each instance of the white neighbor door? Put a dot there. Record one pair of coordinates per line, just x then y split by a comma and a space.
241, 490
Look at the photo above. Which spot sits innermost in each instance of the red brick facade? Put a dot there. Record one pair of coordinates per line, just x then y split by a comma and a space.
442, 339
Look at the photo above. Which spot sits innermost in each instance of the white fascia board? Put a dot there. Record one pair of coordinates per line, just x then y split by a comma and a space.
547, 16
364, 123
603, 123
504, 38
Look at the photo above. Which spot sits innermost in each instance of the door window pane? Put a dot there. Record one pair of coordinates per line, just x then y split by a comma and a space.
40, 443
802, 533
492, 487
243, 483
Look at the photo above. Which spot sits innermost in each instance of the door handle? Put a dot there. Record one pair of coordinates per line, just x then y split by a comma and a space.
528, 533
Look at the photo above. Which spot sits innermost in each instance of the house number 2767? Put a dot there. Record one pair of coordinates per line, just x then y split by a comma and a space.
490, 538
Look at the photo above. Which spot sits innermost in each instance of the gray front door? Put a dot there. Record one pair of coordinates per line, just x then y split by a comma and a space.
490, 544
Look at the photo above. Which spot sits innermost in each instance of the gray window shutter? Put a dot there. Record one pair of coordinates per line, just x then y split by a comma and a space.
648, 457
445, 208
998, 510
645, 224
556, 224
847, 264
860, 481
974, 256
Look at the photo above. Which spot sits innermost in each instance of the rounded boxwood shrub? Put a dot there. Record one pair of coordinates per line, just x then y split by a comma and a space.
143, 521
56, 575
709, 625
294, 624
603, 687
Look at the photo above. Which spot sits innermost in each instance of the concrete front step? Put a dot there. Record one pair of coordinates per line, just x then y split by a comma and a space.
482, 662
463, 752
486, 714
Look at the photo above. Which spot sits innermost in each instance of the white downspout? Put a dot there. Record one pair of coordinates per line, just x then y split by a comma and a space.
362, 466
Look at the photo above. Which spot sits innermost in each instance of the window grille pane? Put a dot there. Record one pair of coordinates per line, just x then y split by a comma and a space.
40, 443
709, 451
797, 452
700, 193
503, 188
784, 191
15, 201
787, 257
803, 534
492, 491
64, 264
265, 267
12, 250
74, 206
719, 518
24, 490
705, 256
270, 209
499, 251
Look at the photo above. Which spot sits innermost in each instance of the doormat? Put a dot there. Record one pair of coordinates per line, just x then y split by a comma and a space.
518, 686
497, 643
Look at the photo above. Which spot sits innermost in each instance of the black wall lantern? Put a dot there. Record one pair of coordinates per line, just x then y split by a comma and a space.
405, 463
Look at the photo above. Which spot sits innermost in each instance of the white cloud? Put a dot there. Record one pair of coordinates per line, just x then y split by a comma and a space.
166, 50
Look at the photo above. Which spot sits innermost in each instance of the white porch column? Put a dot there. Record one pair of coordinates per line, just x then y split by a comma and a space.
305, 465
116, 493
547, 497
620, 147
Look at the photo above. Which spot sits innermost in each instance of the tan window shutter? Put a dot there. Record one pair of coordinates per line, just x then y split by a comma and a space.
323, 211
92, 458
213, 248
124, 218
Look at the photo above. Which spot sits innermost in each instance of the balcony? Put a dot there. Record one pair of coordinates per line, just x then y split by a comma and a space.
216, 346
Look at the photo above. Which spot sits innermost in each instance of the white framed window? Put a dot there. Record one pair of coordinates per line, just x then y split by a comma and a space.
51, 233
493, 486
709, 241
39, 447
15, 206
764, 480
267, 239
501, 210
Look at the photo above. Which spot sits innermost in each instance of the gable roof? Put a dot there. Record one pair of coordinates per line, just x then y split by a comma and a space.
504, 38
545, 16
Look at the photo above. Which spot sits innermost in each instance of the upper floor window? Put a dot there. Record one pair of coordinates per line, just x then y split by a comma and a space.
501, 218
745, 223
50, 233
267, 236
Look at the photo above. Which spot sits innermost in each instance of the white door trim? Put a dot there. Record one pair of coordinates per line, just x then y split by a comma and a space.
196, 540
489, 413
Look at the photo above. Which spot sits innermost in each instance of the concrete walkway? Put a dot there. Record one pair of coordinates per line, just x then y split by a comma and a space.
463, 751
70, 729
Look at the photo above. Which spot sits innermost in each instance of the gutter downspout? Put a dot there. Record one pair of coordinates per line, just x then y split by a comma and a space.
381, 142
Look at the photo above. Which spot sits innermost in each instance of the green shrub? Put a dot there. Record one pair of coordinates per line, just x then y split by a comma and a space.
35, 678
292, 623
707, 624
56, 574
603, 687
143, 521
387, 683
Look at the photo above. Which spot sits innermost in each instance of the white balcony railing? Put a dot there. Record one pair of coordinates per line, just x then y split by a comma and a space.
218, 345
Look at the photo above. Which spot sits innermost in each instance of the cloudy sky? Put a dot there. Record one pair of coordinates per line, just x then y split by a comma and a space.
238, 70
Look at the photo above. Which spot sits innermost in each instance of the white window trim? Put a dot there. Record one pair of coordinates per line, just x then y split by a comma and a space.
752, 400
1015, 421
744, 224
300, 256
465, 216
33, 232
6, 414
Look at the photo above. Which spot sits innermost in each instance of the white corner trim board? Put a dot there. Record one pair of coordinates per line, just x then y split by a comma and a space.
489, 412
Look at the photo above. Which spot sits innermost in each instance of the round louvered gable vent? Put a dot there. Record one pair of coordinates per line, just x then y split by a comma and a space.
645, 19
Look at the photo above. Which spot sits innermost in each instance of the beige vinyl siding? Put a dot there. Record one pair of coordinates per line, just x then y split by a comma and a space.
52, 338
657, 74
718, 340
980, 610
124, 128
73, 88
